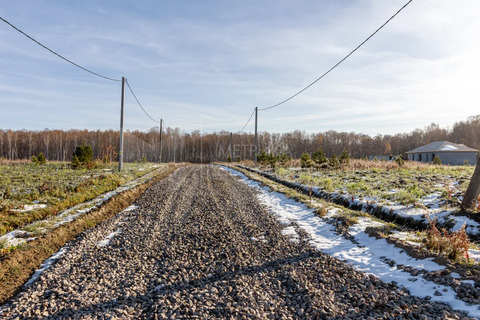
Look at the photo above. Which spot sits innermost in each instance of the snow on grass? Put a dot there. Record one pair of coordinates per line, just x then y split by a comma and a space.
12, 239
369, 255
474, 254
434, 205
30, 207
472, 227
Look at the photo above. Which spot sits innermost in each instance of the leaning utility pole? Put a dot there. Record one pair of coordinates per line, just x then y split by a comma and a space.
120, 151
160, 153
256, 133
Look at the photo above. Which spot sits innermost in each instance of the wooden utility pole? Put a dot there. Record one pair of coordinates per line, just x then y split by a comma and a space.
471, 195
160, 152
120, 151
256, 133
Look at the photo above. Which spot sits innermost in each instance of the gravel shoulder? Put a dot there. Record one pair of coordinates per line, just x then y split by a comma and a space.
199, 245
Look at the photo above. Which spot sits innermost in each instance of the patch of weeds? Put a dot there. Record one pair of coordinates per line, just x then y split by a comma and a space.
4, 247
327, 184
306, 178
359, 187
454, 244
346, 219
386, 229
283, 172
404, 197
14, 270
321, 211
89, 223
37, 227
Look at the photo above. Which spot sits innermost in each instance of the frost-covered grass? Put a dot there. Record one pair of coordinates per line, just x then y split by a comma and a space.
412, 192
386, 182
30, 192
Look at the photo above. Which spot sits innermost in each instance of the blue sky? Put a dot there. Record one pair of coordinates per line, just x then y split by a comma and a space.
206, 64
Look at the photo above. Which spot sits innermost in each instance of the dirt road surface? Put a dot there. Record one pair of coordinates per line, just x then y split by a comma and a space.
200, 246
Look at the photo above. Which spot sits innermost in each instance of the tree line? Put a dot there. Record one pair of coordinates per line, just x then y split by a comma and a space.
180, 146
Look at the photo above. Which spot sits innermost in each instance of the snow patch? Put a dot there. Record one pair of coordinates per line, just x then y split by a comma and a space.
44, 266
291, 233
106, 241
30, 207
369, 255
448, 148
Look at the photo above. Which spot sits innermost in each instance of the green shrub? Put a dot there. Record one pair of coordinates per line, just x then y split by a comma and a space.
333, 162
82, 156
306, 161
41, 158
272, 160
437, 160
34, 160
399, 160
344, 158
319, 157
283, 159
262, 157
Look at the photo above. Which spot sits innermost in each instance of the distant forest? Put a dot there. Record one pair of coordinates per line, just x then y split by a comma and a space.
181, 146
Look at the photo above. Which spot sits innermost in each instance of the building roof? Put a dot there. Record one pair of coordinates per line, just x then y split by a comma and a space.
442, 146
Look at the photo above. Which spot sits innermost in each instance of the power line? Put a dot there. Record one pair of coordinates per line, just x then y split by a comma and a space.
247, 121
58, 55
156, 121
338, 63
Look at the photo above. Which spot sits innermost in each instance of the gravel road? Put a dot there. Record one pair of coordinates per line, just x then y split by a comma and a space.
200, 246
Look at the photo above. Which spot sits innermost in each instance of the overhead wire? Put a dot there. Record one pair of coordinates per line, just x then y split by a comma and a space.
59, 55
338, 63
247, 122
130, 88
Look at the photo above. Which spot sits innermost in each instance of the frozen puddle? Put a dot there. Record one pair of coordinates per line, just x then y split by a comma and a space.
369, 255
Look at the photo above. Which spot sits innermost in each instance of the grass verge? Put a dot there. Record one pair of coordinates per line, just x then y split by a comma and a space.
17, 266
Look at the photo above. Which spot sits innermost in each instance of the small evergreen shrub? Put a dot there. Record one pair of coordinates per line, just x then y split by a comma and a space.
344, 158
41, 158
262, 157
283, 159
333, 162
82, 156
399, 160
34, 160
319, 157
306, 161
437, 160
